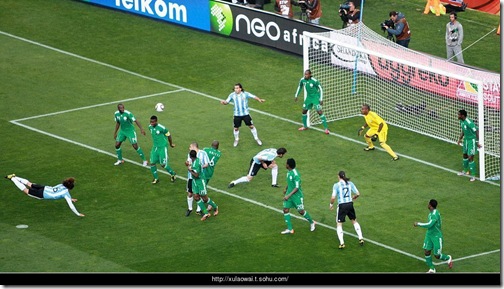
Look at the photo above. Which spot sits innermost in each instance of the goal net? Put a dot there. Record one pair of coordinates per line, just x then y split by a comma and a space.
411, 90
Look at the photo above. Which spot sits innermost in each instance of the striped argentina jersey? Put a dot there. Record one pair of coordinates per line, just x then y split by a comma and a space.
343, 191
240, 100
60, 192
265, 155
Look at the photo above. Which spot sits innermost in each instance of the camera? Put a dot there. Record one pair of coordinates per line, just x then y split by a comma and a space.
344, 7
389, 23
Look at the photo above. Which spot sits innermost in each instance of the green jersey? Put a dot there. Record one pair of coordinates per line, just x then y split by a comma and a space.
159, 134
294, 181
198, 182
125, 120
312, 88
213, 156
433, 225
468, 129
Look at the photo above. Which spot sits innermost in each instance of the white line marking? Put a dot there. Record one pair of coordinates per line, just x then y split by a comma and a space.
180, 88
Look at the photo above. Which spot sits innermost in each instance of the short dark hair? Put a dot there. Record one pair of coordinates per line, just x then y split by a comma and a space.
153, 117
192, 154
69, 183
463, 112
392, 13
281, 151
292, 163
454, 14
433, 203
367, 106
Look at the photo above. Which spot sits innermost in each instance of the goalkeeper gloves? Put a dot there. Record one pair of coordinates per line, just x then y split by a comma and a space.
359, 133
374, 137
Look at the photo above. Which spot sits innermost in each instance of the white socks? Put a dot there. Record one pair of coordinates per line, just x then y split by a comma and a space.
254, 132
189, 203
236, 134
274, 175
241, 180
358, 230
19, 183
339, 232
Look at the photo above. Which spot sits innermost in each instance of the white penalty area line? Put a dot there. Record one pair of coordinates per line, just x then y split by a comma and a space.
180, 88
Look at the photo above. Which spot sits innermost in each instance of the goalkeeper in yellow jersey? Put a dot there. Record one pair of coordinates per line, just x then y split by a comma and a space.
378, 129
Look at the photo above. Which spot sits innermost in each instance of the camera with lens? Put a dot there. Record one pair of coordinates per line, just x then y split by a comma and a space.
389, 23
303, 6
345, 7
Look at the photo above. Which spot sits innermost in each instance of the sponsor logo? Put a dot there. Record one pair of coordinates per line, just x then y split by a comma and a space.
159, 8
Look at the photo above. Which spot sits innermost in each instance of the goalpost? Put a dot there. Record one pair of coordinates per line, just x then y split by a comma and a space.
408, 89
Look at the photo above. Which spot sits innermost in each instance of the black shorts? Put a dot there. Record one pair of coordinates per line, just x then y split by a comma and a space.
254, 168
237, 120
189, 186
346, 209
36, 191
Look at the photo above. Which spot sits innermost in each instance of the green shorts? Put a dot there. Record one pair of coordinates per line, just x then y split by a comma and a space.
309, 104
159, 155
294, 202
131, 136
434, 244
469, 147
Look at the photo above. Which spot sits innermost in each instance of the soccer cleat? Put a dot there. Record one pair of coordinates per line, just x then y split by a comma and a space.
396, 158
287, 231
369, 149
206, 216
312, 226
200, 213
450, 262
231, 185
173, 177
216, 211
302, 128
342, 246
431, 271
361, 242
275, 186
10, 176
119, 162
187, 213
462, 173
326, 131
259, 142
155, 181
472, 179
235, 144
145, 163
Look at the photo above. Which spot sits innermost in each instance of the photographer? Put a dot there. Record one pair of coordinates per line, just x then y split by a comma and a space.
349, 14
312, 8
401, 30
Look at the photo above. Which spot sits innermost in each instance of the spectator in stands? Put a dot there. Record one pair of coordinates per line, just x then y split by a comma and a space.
313, 9
401, 29
284, 8
454, 37
349, 16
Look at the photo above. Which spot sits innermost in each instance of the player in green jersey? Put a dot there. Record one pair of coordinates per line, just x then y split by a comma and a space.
124, 124
293, 197
214, 155
470, 136
314, 98
159, 152
433, 237
199, 186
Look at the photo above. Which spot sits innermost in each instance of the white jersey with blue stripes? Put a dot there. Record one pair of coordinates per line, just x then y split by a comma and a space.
60, 192
240, 100
343, 191
265, 155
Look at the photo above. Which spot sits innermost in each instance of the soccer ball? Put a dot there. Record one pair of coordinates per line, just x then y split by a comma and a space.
159, 107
